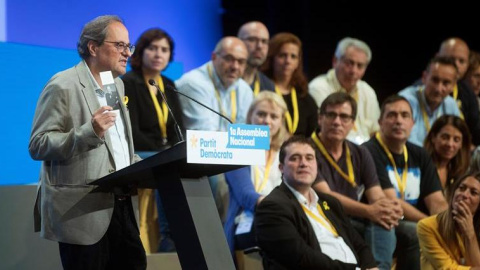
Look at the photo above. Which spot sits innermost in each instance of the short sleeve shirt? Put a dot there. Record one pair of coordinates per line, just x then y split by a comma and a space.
422, 177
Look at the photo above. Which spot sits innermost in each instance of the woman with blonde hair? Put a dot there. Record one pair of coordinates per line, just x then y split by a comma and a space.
249, 185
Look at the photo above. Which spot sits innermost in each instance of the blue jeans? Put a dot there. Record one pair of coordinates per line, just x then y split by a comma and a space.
382, 242
408, 249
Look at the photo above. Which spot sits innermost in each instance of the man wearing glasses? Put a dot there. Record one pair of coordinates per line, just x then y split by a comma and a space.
347, 172
255, 36
350, 62
218, 84
80, 138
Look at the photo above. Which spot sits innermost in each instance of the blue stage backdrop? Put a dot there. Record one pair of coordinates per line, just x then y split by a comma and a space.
41, 39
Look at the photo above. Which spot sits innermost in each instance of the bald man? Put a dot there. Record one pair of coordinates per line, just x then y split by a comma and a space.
255, 36
219, 85
457, 49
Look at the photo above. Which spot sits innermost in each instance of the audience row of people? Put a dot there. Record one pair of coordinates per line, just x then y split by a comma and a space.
381, 188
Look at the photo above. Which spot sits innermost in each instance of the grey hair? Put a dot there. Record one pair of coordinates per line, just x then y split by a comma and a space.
347, 42
95, 30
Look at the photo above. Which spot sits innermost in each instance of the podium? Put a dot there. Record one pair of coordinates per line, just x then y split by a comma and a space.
188, 202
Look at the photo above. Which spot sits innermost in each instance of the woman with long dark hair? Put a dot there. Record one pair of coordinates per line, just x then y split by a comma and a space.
448, 143
450, 240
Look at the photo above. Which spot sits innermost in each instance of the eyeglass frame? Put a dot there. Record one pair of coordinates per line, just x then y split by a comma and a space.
256, 40
230, 58
122, 48
345, 118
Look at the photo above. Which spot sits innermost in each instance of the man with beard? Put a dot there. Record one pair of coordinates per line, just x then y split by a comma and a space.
255, 36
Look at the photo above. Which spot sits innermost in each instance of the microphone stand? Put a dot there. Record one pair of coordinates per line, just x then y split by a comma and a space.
199, 103
178, 131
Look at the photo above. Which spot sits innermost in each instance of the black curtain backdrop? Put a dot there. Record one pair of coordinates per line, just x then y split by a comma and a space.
403, 37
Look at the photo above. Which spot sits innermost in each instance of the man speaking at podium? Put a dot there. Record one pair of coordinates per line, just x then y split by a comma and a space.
80, 137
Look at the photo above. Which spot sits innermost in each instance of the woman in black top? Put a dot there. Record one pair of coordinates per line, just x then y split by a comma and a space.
153, 52
284, 67
152, 127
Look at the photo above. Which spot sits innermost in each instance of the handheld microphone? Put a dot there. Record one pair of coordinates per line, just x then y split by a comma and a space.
178, 131
198, 102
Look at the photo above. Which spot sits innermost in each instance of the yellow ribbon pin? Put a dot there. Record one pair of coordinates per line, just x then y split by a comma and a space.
325, 206
125, 100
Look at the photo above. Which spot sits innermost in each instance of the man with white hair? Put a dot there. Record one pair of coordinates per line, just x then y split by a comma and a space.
350, 62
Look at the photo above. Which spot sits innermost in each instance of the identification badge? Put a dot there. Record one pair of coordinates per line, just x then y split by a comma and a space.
245, 222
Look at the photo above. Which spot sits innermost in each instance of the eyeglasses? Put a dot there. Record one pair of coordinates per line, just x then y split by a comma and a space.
230, 59
345, 118
256, 40
121, 46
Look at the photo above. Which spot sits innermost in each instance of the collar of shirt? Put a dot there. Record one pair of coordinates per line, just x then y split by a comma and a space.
302, 199
425, 104
216, 80
94, 84
333, 80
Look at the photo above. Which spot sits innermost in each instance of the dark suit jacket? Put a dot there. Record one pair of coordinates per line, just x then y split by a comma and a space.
146, 131
469, 107
288, 240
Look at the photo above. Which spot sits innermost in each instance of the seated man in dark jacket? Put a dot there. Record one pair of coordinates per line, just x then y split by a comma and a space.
298, 228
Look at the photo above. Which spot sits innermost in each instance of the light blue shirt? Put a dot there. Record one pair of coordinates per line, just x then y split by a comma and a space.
121, 154
416, 98
198, 85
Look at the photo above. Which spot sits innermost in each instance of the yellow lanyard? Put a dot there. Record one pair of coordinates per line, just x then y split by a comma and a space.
256, 86
162, 113
402, 182
292, 127
327, 225
260, 185
350, 177
455, 92
459, 102
426, 119
233, 98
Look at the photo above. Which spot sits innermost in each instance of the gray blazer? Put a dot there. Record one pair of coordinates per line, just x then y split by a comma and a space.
67, 209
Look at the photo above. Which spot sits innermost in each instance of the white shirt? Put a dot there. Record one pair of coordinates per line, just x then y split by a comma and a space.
121, 154
274, 177
368, 109
333, 247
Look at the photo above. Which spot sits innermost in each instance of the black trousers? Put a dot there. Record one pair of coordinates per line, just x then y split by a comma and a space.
119, 248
